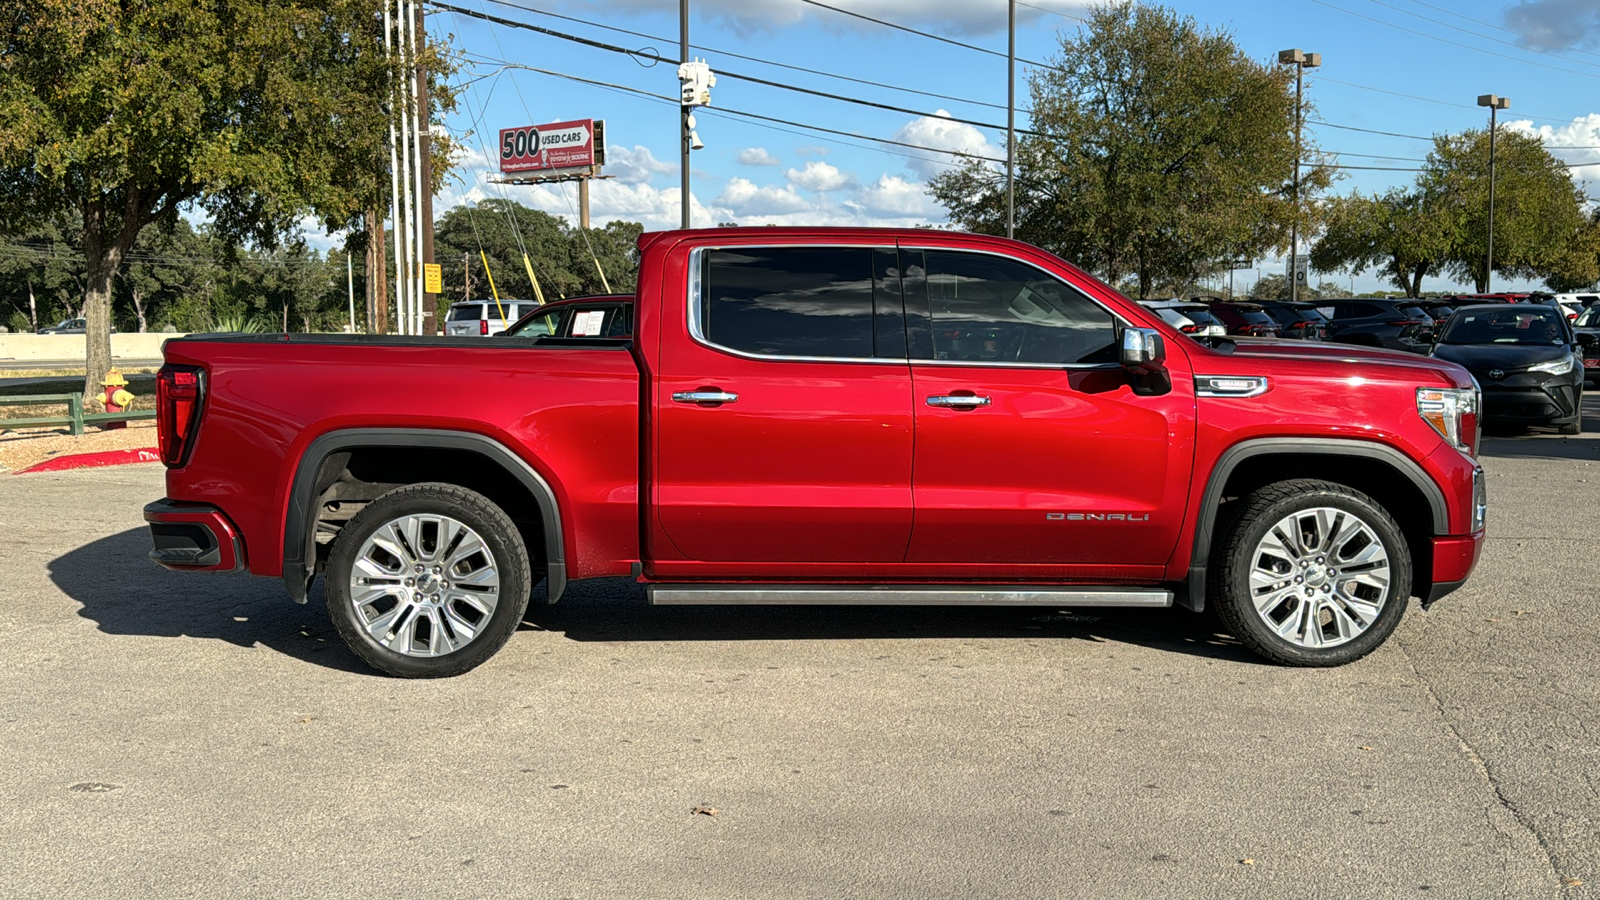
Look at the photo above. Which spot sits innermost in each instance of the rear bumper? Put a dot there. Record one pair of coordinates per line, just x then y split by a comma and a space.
1453, 561
193, 537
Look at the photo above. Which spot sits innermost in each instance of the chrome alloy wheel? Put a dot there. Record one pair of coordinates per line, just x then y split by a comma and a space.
424, 585
1320, 577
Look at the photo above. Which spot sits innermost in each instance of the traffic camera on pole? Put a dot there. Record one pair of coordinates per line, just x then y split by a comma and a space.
696, 81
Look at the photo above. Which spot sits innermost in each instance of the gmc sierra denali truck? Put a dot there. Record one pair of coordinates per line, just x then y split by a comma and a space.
827, 416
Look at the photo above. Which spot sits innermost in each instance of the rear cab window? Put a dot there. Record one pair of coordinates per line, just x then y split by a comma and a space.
806, 302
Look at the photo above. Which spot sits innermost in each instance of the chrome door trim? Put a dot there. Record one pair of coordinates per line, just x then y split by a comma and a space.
887, 595
704, 397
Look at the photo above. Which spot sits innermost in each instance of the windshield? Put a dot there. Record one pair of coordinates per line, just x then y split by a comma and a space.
1590, 318
1514, 325
1414, 312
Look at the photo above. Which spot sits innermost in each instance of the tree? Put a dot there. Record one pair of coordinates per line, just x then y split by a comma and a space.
1160, 152
1399, 232
1538, 208
257, 112
1578, 266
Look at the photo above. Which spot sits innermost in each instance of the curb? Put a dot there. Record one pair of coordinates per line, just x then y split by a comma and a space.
94, 460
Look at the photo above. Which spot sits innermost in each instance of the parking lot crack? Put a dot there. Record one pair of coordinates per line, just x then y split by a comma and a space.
1489, 779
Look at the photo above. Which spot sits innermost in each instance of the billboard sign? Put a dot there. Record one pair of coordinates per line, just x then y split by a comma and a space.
547, 148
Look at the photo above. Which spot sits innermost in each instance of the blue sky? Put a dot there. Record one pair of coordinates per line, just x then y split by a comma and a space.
1407, 67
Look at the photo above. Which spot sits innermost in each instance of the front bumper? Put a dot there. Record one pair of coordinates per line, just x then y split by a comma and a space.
1527, 398
193, 537
1454, 558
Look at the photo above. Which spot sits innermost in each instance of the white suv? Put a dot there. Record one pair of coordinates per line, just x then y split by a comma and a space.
484, 317
1189, 317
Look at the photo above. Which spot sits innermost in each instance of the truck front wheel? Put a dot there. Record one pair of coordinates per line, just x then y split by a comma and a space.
1310, 573
428, 580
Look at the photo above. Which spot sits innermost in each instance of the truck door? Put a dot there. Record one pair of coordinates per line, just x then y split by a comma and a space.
783, 409
1032, 447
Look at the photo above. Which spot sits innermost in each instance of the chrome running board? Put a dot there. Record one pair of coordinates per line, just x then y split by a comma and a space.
933, 595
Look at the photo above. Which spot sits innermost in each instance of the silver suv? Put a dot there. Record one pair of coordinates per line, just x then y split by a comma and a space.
482, 318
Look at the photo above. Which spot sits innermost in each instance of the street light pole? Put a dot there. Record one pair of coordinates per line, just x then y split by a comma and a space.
1495, 104
1301, 62
683, 117
1011, 118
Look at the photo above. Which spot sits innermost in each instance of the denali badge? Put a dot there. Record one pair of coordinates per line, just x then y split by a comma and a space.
1097, 517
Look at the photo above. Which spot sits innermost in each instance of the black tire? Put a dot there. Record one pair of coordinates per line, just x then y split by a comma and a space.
1246, 524
507, 558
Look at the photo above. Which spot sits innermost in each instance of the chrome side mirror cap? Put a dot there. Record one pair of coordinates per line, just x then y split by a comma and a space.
1144, 351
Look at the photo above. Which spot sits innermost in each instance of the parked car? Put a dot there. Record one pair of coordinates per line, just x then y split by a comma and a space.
1395, 324
1189, 317
485, 317
1587, 329
1299, 321
753, 444
1438, 310
1244, 319
601, 315
70, 326
1569, 304
1525, 359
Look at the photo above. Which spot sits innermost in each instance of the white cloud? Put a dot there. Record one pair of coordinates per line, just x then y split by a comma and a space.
1583, 131
941, 133
636, 166
757, 156
745, 199
820, 177
892, 196
960, 17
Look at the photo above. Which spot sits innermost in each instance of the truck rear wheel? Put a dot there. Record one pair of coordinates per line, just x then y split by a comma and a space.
1310, 573
429, 580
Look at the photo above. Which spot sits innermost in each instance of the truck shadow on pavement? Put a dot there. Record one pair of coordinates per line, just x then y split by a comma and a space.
124, 593
615, 609
143, 599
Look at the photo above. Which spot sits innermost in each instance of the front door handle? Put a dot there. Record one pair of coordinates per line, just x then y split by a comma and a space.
958, 401
704, 396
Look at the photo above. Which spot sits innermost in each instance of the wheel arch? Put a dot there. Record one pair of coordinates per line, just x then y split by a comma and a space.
1391, 478
326, 459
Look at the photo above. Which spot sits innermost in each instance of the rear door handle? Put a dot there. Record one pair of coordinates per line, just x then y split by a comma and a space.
958, 401
709, 396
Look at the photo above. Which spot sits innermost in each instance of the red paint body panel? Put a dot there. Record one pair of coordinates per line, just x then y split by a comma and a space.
230, 543
821, 469
1454, 558
571, 414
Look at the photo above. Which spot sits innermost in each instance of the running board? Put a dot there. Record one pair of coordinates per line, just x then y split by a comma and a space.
868, 595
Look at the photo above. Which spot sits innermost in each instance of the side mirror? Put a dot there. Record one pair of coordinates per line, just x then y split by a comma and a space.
1144, 355
1143, 351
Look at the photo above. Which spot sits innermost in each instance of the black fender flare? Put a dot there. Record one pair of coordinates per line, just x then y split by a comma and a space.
1194, 596
298, 526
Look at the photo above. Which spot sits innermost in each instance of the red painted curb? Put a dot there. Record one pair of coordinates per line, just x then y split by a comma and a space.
94, 460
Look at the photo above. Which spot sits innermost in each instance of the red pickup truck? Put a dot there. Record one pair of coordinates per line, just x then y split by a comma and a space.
827, 416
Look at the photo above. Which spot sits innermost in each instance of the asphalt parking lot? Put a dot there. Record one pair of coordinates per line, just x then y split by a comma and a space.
168, 735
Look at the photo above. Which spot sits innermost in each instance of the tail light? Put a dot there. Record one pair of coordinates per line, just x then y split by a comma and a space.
483, 326
1189, 329
180, 391
1403, 322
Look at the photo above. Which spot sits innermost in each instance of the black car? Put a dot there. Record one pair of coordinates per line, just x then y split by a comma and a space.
1395, 324
1438, 310
1587, 329
1301, 321
1246, 319
1525, 358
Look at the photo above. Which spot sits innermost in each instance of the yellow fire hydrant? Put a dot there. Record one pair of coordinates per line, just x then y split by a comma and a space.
117, 398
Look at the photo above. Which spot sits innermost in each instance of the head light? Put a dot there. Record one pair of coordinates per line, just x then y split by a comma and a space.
1453, 412
1554, 366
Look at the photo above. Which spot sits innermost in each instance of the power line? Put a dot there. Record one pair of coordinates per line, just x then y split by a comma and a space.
759, 60
1434, 37
723, 73
1053, 12
1406, 12
1378, 90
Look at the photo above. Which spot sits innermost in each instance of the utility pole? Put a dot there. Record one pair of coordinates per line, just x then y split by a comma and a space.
466, 274
1495, 104
397, 178
1011, 117
430, 302
1301, 62
683, 130
350, 279
583, 203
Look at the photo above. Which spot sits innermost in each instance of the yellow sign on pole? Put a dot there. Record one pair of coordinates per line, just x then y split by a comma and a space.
432, 278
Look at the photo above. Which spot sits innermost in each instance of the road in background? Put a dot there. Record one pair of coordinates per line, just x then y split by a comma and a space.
202, 735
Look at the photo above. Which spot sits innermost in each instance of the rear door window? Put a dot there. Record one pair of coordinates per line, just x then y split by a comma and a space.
789, 301
466, 313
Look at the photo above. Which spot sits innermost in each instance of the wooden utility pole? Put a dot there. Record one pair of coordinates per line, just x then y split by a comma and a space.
430, 302
466, 274
583, 203
377, 274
